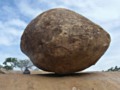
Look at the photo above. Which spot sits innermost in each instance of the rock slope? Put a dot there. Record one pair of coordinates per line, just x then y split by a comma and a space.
79, 81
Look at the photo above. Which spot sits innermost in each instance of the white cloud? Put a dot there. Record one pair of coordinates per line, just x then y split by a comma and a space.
16, 22
8, 12
11, 31
26, 8
9, 36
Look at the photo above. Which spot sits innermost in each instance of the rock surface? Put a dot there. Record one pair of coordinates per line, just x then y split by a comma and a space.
62, 41
81, 81
1, 72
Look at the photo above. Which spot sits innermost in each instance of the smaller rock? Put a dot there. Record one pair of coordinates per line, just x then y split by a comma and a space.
2, 71
27, 71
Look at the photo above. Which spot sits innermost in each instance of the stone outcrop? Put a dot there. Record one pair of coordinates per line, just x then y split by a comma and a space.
63, 41
3, 71
80, 81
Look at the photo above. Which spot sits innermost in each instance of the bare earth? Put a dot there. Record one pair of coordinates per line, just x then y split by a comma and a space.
79, 81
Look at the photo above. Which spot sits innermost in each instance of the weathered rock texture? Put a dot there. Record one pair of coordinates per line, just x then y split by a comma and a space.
62, 41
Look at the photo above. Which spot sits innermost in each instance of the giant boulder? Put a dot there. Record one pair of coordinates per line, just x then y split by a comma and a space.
63, 41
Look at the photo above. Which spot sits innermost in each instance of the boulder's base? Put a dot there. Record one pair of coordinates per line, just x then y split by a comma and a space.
79, 81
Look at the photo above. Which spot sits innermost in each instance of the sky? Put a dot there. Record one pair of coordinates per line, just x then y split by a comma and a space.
15, 15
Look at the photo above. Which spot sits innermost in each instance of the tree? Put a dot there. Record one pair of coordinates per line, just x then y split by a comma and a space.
10, 63
116, 68
110, 69
23, 64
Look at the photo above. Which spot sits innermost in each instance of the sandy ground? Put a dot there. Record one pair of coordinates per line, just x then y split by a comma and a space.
79, 81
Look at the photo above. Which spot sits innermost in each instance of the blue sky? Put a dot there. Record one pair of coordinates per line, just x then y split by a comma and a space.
16, 14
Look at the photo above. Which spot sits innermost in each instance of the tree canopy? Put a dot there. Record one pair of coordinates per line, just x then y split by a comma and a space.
11, 63
22, 64
116, 68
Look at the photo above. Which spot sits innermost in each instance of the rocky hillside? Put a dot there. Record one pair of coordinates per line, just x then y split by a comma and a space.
79, 81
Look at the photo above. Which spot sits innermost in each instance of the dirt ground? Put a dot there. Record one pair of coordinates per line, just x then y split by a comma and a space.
47, 81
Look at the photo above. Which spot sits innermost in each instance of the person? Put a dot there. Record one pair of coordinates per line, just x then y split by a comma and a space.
26, 71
